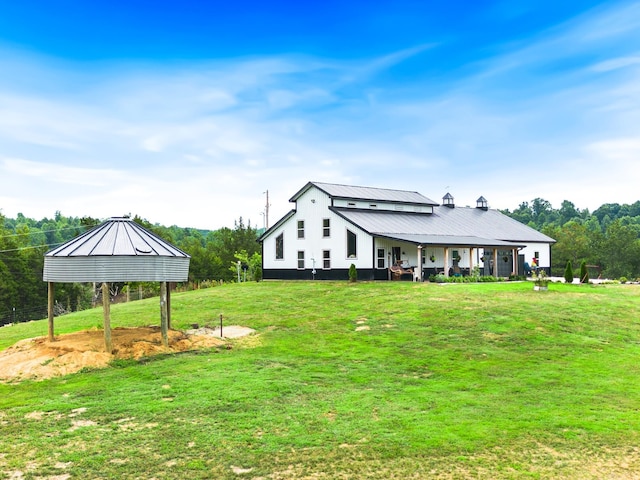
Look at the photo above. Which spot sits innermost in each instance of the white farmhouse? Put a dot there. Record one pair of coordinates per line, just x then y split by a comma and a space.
393, 234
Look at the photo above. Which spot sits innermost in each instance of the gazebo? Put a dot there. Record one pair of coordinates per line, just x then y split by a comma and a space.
117, 250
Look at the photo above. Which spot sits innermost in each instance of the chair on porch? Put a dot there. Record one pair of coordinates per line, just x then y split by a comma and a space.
397, 270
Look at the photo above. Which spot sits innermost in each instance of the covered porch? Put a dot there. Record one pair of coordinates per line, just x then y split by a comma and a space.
426, 255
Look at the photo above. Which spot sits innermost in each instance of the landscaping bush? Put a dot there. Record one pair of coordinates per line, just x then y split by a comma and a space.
568, 272
353, 273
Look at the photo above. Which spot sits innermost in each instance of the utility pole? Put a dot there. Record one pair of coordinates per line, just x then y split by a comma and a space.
266, 211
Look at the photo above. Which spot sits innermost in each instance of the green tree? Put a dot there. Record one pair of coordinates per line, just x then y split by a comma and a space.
572, 243
620, 251
568, 272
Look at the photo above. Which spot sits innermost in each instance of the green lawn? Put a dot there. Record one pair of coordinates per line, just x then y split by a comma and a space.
367, 380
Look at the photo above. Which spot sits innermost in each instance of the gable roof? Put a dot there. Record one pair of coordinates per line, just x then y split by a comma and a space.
461, 226
366, 193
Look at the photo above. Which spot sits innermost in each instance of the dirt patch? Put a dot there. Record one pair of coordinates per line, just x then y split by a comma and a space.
38, 359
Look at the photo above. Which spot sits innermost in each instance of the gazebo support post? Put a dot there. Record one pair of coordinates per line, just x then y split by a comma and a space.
50, 306
106, 309
164, 317
168, 305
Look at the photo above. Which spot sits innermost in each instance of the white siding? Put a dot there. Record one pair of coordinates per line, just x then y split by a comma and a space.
542, 248
313, 208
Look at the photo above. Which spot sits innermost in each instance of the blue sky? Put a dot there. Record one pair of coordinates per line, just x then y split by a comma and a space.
187, 112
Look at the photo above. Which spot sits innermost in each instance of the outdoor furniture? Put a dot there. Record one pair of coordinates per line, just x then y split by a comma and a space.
398, 270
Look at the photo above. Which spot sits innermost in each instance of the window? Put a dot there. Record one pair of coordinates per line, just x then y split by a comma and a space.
280, 247
380, 257
352, 251
300, 228
300, 260
326, 227
326, 259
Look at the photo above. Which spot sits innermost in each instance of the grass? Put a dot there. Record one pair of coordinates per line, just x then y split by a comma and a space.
366, 380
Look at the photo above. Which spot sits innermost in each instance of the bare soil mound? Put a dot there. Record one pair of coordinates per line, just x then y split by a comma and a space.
38, 359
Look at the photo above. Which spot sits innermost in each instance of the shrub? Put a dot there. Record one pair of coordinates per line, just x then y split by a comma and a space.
584, 273
353, 273
568, 272
623, 279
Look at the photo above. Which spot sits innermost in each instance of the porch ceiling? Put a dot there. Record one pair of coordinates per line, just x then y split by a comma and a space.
449, 240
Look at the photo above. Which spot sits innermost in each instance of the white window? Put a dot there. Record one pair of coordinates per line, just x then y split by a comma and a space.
280, 247
300, 260
380, 257
352, 242
326, 259
326, 227
300, 228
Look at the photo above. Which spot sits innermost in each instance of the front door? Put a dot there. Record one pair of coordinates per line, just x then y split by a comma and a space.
396, 255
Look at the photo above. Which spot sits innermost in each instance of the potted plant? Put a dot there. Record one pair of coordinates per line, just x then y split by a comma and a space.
541, 281
432, 258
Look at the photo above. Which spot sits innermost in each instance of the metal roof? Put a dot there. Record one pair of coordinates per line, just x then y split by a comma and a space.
461, 222
367, 193
118, 250
451, 240
116, 236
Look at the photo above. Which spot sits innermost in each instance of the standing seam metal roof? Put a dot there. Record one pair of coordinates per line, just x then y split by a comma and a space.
367, 193
117, 237
445, 222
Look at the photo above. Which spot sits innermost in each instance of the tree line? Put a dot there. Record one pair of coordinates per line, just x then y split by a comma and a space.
24, 241
608, 238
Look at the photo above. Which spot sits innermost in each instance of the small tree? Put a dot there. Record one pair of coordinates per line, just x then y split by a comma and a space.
568, 272
353, 273
584, 272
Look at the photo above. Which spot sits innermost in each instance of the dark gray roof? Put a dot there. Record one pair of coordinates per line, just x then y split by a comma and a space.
461, 223
116, 236
367, 193
118, 250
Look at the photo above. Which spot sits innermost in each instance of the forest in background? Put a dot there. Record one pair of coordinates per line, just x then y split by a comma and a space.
608, 238
24, 241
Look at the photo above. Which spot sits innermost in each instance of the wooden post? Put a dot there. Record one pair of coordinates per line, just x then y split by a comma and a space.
495, 262
106, 309
50, 307
169, 305
164, 319
471, 252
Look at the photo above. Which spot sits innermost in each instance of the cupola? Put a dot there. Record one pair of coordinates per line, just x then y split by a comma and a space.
481, 203
447, 201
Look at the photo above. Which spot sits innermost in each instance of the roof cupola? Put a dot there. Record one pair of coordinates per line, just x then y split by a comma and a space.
447, 201
481, 203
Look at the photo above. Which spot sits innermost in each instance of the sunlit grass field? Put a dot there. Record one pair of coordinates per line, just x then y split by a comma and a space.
367, 380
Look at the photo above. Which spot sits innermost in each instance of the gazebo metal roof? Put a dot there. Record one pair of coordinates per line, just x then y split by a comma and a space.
118, 250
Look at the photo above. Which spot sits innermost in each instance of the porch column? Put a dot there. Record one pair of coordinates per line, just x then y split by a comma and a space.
471, 249
515, 261
495, 262
417, 275
446, 261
